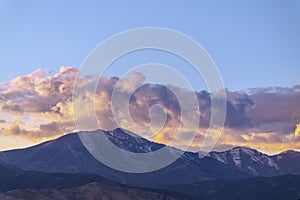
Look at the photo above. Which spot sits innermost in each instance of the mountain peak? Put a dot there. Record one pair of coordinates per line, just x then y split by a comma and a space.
130, 141
246, 159
290, 152
246, 150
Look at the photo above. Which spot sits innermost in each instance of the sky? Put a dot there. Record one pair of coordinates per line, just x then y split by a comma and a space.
255, 45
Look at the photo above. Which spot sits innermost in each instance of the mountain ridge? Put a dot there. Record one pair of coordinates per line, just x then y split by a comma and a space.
27, 185
92, 191
67, 154
285, 187
257, 163
138, 136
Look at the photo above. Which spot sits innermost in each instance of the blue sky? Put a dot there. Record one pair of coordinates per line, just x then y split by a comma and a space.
253, 43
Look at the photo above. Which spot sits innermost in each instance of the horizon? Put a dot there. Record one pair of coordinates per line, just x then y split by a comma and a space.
219, 151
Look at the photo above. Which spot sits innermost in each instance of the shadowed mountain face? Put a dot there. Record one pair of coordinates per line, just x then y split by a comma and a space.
27, 185
67, 154
288, 162
91, 191
285, 187
14, 178
30, 185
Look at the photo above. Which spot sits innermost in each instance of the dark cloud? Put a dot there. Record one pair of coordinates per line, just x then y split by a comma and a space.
150, 94
238, 104
11, 107
51, 127
276, 109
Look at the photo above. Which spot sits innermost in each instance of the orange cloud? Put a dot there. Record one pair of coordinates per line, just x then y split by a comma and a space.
269, 142
297, 131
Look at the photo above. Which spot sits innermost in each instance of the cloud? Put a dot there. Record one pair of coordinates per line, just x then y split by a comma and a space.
37, 99
130, 82
39, 106
297, 131
11, 107
239, 103
275, 109
12, 129
52, 126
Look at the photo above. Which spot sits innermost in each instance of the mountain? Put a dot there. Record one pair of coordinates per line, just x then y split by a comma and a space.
248, 160
14, 178
64, 169
91, 191
258, 164
285, 187
28, 185
288, 162
68, 154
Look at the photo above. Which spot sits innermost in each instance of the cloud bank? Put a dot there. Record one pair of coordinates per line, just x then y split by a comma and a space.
38, 107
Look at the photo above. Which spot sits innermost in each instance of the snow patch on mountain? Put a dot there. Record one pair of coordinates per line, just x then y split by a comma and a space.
246, 159
236, 157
